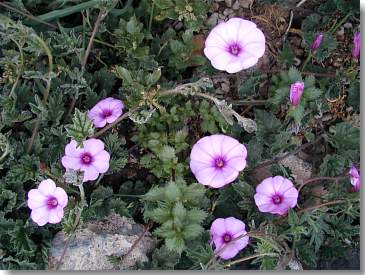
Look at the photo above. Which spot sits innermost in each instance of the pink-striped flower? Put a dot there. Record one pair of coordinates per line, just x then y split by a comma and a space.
357, 46
276, 195
106, 111
229, 237
216, 160
92, 159
296, 92
47, 203
234, 45
317, 42
355, 179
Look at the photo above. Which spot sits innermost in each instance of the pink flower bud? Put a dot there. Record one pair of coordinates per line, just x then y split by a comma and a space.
317, 42
296, 92
356, 47
355, 179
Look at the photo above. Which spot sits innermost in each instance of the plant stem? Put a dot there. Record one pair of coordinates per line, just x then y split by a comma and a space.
151, 17
340, 23
321, 205
308, 181
277, 159
249, 258
46, 91
309, 57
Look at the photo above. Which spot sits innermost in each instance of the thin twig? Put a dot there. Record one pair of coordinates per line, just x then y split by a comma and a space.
100, 17
308, 181
249, 258
26, 14
321, 205
289, 25
277, 159
140, 238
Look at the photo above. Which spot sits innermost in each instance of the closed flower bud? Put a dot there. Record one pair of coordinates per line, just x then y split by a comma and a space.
356, 47
317, 42
296, 92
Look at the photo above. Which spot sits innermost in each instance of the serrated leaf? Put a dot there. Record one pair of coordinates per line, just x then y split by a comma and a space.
312, 93
332, 166
81, 128
294, 74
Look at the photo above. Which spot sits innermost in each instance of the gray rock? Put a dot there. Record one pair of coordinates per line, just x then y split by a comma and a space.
227, 12
225, 87
301, 169
236, 5
245, 3
91, 246
212, 20
228, 3
348, 25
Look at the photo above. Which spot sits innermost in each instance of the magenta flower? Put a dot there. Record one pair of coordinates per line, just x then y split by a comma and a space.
296, 92
92, 159
224, 232
216, 160
106, 111
234, 45
355, 179
276, 195
357, 46
317, 42
47, 203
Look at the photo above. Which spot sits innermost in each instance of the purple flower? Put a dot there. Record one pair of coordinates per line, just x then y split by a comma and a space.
317, 42
216, 160
296, 92
92, 159
223, 232
47, 203
357, 46
276, 195
106, 111
234, 45
355, 179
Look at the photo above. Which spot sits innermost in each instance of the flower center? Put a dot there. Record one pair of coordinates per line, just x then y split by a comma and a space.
106, 113
234, 49
86, 158
219, 162
52, 202
227, 238
277, 199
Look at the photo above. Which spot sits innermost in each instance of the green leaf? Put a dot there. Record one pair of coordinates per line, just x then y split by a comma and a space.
167, 153
266, 122
152, 78
81, 127
332, 166
280, 95
293, 218
133, 26
294, 74
124, 74
175, 244
343, 136
309, 81
312, 93
297, 112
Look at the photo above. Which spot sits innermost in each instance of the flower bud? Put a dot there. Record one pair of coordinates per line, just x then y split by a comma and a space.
317, 42
296, 92
356, 47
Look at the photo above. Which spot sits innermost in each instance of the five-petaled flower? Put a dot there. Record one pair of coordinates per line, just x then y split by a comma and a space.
92, 159
356, 47
296, 92
229, 237
355, 179
276, 195
106, 111
47, 203
216, 160
234, 45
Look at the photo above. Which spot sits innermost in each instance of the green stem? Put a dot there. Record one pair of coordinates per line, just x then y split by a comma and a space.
340, 23
151, 17
307, 60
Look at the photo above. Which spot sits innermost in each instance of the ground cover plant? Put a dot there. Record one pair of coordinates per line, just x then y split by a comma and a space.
229, 129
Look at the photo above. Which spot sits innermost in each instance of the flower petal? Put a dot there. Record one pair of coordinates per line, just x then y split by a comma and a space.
266, 187
101, 161
90, 173
218, 227
40, 215
234, 225
93, 146
36, 199
228, 252
71, 162
61, 196
55, 215
47, 187
206, 175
